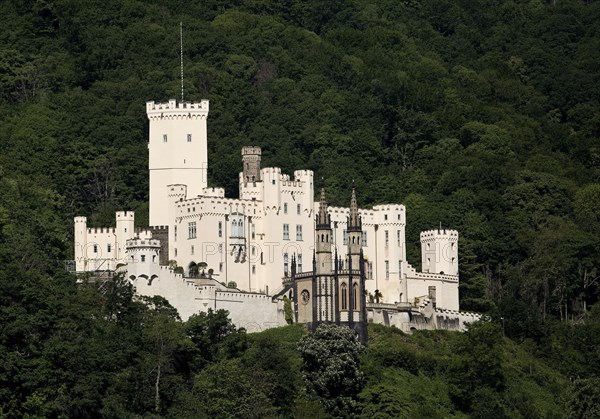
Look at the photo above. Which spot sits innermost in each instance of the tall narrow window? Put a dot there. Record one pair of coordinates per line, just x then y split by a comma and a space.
143, 258
192, 250
370, 270
164, 138
189, 138
286, 232
253, 269
300, 263
253, 231
285, 208
398, 238
298, 209
192, 230
387, 269
285, 264
220, 266
345, 235
344, 297
95, 248
363, 239
355, 297
220, 228
175, 233
109, 248
387, 238
299, 232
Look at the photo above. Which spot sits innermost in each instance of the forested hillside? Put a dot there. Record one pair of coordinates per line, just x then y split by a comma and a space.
482, 116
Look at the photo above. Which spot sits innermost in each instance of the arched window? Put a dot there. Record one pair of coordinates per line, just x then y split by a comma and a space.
344, 297
355, 297
322, 238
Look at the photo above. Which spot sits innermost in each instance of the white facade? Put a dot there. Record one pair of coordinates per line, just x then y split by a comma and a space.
251, 240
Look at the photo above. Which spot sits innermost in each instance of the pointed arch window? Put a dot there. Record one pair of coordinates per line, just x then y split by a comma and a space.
344, 292
355, 297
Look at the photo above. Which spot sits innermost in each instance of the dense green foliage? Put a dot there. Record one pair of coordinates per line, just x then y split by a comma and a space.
483, 116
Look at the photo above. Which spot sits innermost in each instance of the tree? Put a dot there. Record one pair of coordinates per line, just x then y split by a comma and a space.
331, 367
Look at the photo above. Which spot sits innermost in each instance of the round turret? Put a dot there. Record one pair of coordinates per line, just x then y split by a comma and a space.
439, 251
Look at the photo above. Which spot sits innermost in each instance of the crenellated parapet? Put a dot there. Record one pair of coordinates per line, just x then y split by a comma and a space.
213, 192
174, 109
439, 234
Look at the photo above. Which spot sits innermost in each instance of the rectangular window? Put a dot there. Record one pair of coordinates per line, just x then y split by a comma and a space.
220, 228
253, 269
189, 137
300, 263
285, 208
253, 231
143, 258
192, 230
385, 217
298, 232
164, 138
175, 233
192, 250
370, 275
387, 238
345, 235
95, 248
286, 232
108, 248
398, 238
387, 269
400, 269
285, 264
175, 252
220, 266
363, 239
298, 209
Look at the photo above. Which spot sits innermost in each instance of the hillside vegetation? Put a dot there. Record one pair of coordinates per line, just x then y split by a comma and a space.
482, 116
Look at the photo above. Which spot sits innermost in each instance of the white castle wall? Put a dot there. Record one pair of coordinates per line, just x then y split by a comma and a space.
255, 312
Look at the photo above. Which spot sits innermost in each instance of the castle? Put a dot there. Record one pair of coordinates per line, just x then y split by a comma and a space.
203, 250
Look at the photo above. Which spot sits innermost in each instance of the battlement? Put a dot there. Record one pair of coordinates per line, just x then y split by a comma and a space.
437, 234
137, 242
125, 214
301, 174
101, 230
213, 192
433, 276
251, 151
174, 105
82, 220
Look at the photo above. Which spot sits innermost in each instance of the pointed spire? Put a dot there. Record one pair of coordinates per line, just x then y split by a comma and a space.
354, 221
323, 218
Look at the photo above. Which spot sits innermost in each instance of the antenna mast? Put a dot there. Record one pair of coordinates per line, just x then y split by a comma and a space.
181, 55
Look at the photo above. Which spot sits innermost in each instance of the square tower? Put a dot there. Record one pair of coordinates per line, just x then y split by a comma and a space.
178, 154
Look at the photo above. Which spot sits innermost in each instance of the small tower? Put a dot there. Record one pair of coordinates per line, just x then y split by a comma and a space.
124, 231
323, 237
439, 251
251, 162
143, 256
354, 229
80, 244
